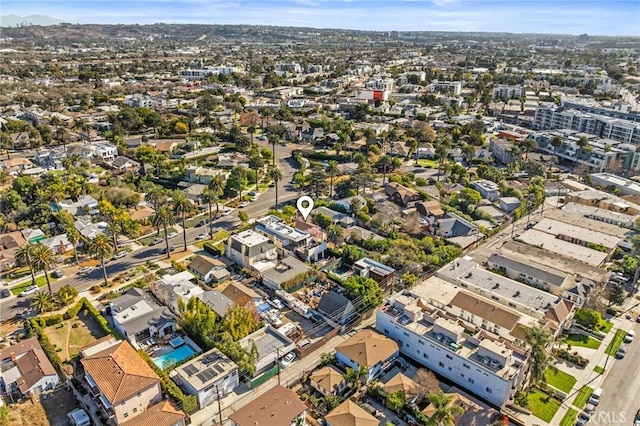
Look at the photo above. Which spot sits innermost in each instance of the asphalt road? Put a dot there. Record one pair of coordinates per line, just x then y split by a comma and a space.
621, 387
10, 307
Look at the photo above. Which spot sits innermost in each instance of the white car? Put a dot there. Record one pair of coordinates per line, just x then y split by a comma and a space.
29, 291
172, 235
119, 255
85, 270
276, 303
288, 359
202, 236
226, 212
243, 204
629, 337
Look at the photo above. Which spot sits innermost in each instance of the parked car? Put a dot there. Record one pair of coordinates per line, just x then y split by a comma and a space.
243, 204
172, 234
4, 293
276, 303
85, 270
629, 337
29, 291
202, 236
171, 250
57, 273
202, 222
119, 255
622, 351
156, 241
226, 212
262, 138
288, 359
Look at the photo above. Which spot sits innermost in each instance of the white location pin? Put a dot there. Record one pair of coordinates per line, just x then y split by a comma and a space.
304, 211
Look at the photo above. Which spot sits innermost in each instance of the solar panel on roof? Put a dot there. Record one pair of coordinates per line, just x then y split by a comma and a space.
190, 370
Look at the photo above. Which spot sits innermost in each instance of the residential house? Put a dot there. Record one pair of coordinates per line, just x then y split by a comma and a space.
503, 151
232, 159
59, 244
431, 209
346, 203
203, 175
487, 188
165, 146
123, 382
209, 376
105, 151
456, 229
328, 380
350, 414
279, 406
15, 166
33, 235
193, 191
26, 370
249, 247
340, 218
9, 243
170, 288
125, 164
20, 139
472, 413
400, 194
400, 382
217, 302
209, 270
137, 317
240, 294
496, 214
90, 230
290, 240
384, 275
270, 343
161, 414
50, 159
312, 134
85, 204
367, 348
509, 204
336, 307
275, 275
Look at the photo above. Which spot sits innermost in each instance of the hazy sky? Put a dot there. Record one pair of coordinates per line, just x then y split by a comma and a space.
606, 17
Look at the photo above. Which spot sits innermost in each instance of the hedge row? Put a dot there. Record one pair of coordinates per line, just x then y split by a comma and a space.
35, 328
84, 304
188, 402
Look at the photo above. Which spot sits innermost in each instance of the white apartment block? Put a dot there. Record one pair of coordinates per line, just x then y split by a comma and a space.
199, 74
479, 361
507, 92
454, 87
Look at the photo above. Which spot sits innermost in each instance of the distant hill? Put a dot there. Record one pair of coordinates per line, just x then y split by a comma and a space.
15, 20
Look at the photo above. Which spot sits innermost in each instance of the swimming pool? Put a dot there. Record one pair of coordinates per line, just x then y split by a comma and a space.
175, 356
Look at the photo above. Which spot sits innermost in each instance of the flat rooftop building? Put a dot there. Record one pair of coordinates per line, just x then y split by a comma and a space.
564, 248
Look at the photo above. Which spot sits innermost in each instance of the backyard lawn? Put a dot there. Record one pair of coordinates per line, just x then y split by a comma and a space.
582, 340
542, 405
424, 162
582, 397
616, 342
569, 418
559, 379
71, 335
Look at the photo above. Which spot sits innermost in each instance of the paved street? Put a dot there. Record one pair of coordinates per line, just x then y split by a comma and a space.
11, 306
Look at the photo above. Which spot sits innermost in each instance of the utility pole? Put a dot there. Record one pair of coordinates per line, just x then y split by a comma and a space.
219, 405
278, 363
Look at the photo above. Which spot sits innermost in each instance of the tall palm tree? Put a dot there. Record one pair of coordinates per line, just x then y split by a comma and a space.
164, 217
101, 246
273, 140
216, 186
539, 360
25, 256
251, 129
182, 205
385, 161
527, 145
276, 174
556, 143
42, 302
582, 143
209, 197
156, 197
256, 163
441, 153
44, 258
445, 412
333, 170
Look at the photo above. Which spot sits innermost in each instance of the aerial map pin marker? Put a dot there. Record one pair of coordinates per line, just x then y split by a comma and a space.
304, 211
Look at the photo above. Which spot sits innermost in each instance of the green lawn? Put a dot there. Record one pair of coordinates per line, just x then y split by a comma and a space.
604, 326
40, 282
569, 418
17, 274
542, 405
147, 240
582, 340
191, 222
616, 342
424, 162
582, 397
598, 369
559, 379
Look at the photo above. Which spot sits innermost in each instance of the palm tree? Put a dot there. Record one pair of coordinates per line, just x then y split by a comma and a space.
539, 360
164, 217
251, 128
182, 205
332, 169
273, 140
256, 163
527, 145
101, 246
357, 377
156, 197
44, 258
276, 174
441, 153
556, 143
42, 302
217, 185
469, 151
25, 256
445, 412
209, 197
385, 161
582, 143
334, 233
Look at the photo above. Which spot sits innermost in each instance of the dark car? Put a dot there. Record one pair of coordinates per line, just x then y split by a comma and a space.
57, 273
171, 250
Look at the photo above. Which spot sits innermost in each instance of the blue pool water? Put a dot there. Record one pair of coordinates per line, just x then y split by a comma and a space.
176, 355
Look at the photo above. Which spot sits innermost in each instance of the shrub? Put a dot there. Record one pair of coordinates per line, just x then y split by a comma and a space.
95, 289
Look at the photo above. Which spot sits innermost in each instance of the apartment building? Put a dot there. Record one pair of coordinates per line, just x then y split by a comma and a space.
453, 87
506, 92
478, 360
625, 186
287, 239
